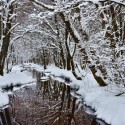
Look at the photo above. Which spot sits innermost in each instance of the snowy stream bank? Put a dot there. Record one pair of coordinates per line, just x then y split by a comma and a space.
107, 102
102, 100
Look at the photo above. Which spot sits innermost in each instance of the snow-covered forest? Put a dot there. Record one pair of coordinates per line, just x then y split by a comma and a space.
62, 62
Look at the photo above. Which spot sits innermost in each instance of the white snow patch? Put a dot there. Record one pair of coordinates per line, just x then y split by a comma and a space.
4, 99
15, 78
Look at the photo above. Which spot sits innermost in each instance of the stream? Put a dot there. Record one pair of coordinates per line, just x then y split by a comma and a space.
48, 102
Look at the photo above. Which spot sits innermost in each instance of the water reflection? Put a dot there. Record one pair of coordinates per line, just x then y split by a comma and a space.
47, 103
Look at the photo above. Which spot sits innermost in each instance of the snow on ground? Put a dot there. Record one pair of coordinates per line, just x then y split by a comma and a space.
4, 100
31, 66
110, 108
16, 76
108, 102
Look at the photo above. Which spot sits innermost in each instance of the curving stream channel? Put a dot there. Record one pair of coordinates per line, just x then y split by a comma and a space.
48, 102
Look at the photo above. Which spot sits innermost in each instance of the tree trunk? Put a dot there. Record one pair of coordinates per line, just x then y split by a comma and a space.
6, 40
68, 27
99, 80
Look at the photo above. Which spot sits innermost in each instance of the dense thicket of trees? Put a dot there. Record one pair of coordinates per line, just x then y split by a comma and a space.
71, 34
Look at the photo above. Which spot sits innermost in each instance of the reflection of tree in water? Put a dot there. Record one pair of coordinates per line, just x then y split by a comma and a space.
48, 103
